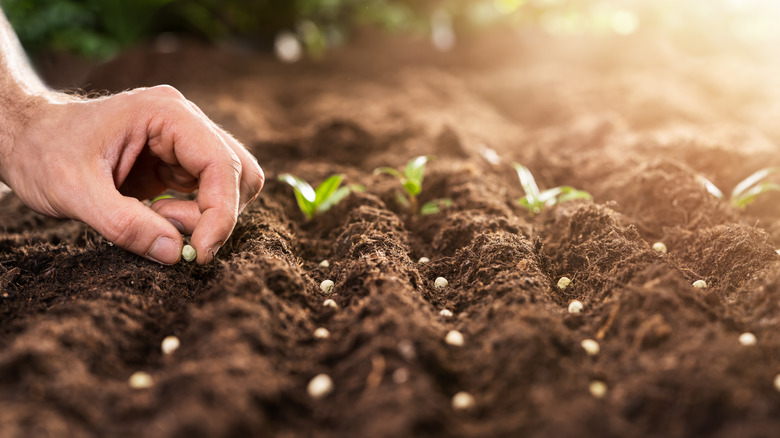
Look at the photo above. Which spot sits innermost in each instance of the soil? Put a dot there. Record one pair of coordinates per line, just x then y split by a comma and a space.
634, 128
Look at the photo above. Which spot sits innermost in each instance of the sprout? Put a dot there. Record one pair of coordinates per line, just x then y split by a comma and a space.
411, 181
313, 202
327, 286
331, 304
325, 264
575, 306
701, 284
659, 247
188, 253
320, 386
321, 333
563, 283
447, 313
534, 200
747, 339
747, 190
598, 389
454, 338
591, 347
463, 401
140, 380
423, 260
440, 282
170, 344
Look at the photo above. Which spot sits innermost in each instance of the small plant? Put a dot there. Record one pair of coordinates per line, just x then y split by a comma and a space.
313, 202
535, 200
411, 181
747, 190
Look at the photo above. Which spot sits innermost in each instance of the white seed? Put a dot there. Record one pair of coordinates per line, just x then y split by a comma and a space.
598, 389
321, 333
747, 339
591, 347
327, 286
423, 260
454, 337
406, 349
140, 380
325, 264
320, 386
447, 313
401, 375
440, 283
170, 344
462, 401
575, 306
777, 382
659, 247
188, 253
330, 303
701, 284
777, 251
563, 283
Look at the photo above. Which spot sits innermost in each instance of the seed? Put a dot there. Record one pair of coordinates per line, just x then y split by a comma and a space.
140, 380
321, 333
423, 260
590, 346
659, 247
777, 251
454, 337
330, 303
777, 382
563, 283
440, 283
598, 389
325, 264
747, 339
406, 349
170, 344
463, 401
188, 253
327, 286
701, 284
401, 375
575, 306
447, 313
320, 386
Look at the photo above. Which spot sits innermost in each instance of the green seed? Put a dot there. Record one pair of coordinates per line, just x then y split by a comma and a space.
188, 253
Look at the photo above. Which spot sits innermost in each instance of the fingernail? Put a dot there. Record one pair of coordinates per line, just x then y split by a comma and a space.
176, 224
165, 250
213, 250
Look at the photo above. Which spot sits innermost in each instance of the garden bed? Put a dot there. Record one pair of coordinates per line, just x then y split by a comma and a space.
79, 316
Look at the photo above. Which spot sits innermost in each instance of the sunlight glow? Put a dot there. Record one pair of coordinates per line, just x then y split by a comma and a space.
507, 6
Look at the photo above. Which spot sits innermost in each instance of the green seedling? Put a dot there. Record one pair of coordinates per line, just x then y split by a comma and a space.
534, 200
411, 181
313, 202
747, 190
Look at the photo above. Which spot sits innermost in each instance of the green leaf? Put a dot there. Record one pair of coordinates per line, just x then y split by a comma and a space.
415, 169
304, 194
412, 187
751, 181
389, 171
333, 199
528, 182
750, 195
435, 206
569, 193
710, 187
326, 189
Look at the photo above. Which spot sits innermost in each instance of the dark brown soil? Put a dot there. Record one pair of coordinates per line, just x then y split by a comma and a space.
78, 316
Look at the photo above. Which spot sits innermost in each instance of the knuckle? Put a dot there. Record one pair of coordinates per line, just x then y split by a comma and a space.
166, 91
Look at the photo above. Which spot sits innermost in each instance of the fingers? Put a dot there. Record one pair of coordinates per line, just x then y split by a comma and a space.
183, 214
130, 224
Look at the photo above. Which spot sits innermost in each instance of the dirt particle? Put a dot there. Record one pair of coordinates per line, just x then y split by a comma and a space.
597, 389
169, 345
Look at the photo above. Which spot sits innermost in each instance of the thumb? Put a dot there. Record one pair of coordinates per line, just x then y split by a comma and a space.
132, 225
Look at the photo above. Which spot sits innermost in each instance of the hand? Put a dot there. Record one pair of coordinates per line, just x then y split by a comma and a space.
93, 160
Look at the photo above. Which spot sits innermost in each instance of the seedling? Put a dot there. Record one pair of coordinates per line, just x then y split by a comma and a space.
747, 190
535, 201
313, 202
411, 181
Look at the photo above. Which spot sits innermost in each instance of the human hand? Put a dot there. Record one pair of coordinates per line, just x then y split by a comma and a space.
92, 160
